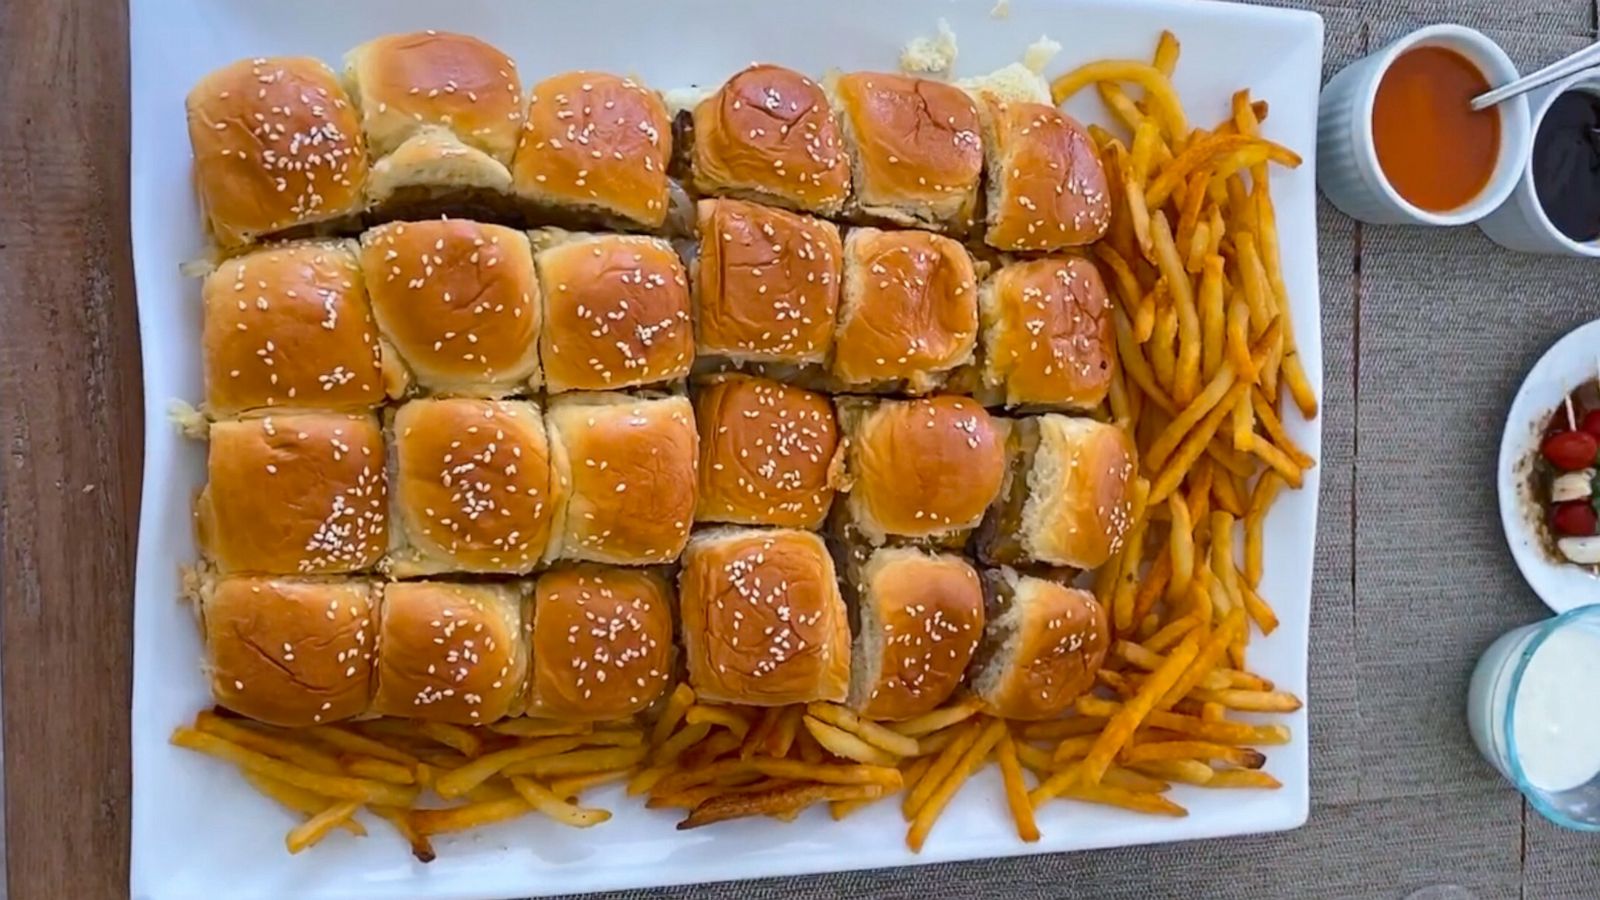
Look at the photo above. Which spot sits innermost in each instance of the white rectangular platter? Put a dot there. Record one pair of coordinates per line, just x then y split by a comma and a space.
200, 831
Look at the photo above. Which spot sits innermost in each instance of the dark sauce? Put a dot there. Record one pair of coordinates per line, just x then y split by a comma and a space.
1566, 165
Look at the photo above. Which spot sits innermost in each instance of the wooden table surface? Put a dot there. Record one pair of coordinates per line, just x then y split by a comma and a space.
1427, 334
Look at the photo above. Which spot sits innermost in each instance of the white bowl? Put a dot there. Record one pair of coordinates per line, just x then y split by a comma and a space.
1567, 364
1520, 223
1347, 160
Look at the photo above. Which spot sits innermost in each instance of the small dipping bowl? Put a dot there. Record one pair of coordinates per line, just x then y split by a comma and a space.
1526, 709
1348, 170
1521, 223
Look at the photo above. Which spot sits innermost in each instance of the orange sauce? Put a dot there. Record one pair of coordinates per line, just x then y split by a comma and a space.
1435, 151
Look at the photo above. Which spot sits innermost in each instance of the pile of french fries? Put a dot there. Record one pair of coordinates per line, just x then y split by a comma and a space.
1207, 351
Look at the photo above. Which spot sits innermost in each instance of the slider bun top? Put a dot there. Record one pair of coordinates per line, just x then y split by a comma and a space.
451, 652
1079, 503
277, 144
1042, 646
768, 453
1047, 186
1048, 334
769, 135
602, 642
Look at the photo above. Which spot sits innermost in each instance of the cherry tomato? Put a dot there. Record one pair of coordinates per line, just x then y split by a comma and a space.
1570, 451
1591, 422
1575, 518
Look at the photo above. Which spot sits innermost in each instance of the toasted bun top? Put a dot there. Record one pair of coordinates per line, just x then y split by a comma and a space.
289, 326
458, 300
769, 130
276, 144
1060, 638
910, 307
767, 285
928, 609
602, 642
1052, 185
767, 453
1049, 338
473, 482
616, 313
763, 621
451, 652
1080, 503
407, 82
629, 469
596, 140
333, 468
924, 467
915, 139
289, 652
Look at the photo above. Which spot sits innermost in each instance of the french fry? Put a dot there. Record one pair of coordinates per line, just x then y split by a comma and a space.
842, 743
974, 756
1105, 795
458, 782
333, 786
1036, 759
1074, 748
421, 847
579, 762
1153, 586
1130, 780
1206, 659
1276, 432
1280, 462
941, 767
678, 703
543, 800
717, 715
1170, 633
350, 742
1139, 215
297, 799
1213, 151
828, 773
612, 737
472, 815
1121, 726
1267, 488
1243, 757
671, 748
1140, 155
1249, 701
871, 732
1016, 789
1171, 476
1213, 317
939, 719
272, 744
1243, 778
1186, 377
455, 737
756, 740
1057, 729
314, 829
1260, 613
776, 802
1238, 343
1158, 90
1166, 57
712, 747
530, 728
1132, 360
571, 786
1121, 106
1049, 789
1183, 771
1180, 547
380, 770
806, 745
784, 734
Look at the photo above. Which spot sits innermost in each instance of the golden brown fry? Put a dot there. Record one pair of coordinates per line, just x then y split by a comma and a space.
689, 798
1213, 317
1154, 584
1036, 759
1140, 156
1279, 462
469, 816
314, 829
1266, 620
1249, 701
1056, 729
1213, 151
457, 738
1064, 778
1074, 748
1106, 795
529, 728
974, 756
1164, 100
571, 786
943, 764
792, 770
350, 742
943, 717
807, 747
1243, 757
756, 740
780, 801
718, 715
1243, 778
1167, 49
338, 787
1223, 492
1137, 655
271, 743
871, 732
842, 743
1016, 789
1131, 358
458, 782
1275, 430
543, 800
646, 779
1209, 655
1120, 729
1121, 106
1170, 633
579, 762
1186, 377
673, 747
380, 770
672, 713
297, 799
784, 734
1130, 780
1138, 215
1190, 449
1183, 771
421, 847
612, 737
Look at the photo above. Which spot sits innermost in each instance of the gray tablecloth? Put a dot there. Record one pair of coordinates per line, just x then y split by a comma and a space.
1427, 334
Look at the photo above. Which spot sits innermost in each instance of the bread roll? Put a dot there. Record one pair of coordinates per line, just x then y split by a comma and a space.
287, 651
277, 146
920, 468
763, 621
1041, 648
626, 467
915, 151
616, 312
473, 489
919, 619
769, 135
909, 311
595, 145
289, 326
302, 493
768, 453
1048, 339
1066, 501
455, 653
766, 285
459, 301
602, 642
1047, 186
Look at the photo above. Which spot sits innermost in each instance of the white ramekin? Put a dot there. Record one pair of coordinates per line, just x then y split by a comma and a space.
1520, 223
1347, 160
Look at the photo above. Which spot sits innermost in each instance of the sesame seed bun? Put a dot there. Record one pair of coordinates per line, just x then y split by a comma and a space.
769, 135
289, 652
1066, 501
920, 468
1047, 186
763, 621
626, 468
909, 310
472, 487
290, 327
915, 149
1047, 334
602, 642
616, 312
766, 285
406, 83
1042, 646
449, 652
277, 145
920, 618
459, 301
595, 144
332, 469
769, 453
